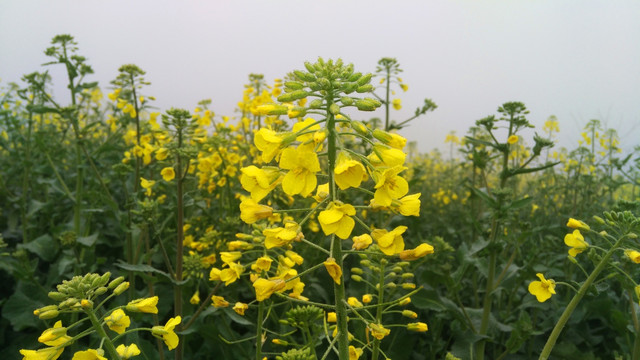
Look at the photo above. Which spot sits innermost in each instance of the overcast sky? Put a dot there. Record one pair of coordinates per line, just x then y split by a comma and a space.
578, 60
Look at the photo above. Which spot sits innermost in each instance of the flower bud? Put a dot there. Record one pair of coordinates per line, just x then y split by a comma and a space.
115, 282
357, 271
57, 296
315, 104
364, 88
364, 79
310, 67
334, 109
101, 290
418, 327
346, 101
408, 286
355, 76
121, 288
294, 85
356, 278
360, 128
405, 301
410, 314
37, 312
292, 96
50, 314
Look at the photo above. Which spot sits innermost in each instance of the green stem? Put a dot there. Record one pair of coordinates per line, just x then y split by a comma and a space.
111, 349
551, 341
259, 330
376, 343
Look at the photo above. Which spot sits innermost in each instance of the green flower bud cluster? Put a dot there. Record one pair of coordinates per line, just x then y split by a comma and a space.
303, 316
297, 354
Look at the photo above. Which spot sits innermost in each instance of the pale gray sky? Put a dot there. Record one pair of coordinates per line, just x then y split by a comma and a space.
578, 60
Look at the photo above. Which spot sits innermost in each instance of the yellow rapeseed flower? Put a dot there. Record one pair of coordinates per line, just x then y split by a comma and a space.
168, 174
268, 142
231, 274
336, 219
50, 353
333, 269
118, 321
354, 302
633, 255
259, 182
378, 331
265, 288
240, 308
146, 305
417, 326
361, 242
219, 301
127, 352
166, 332
354, 352
331, 317
348, 172
251, 211
414, 254
577, 224
542, 289
390, 242
303, 166
512, 139
397, 104
384, 155
55, 336
147, 185
91, 354
576, 242
279, 237
389, 186
409, 205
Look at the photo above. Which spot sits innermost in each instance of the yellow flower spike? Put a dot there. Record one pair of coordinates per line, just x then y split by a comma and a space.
331, 317
417, 253
118, 321
334, 270
576, 242
354, 302
409, 205
542, 289
265, 288
390, 242
633, 255
251, 211
55, 336
168, 174
361, 242
348, 172
512, 139
336, 219
127, 352
303, 166
259, 182
354, 353
378, 331
50, 353
577, 224
195, 298
219, 301
146, 305
389, 186
417, 326
166, 332
240, 308
90, 354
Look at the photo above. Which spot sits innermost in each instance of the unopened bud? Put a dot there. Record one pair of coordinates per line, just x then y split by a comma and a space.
346, 101
356, 278
57, 296
121, 288
357, 271
46, 315
364, 88
115, 282
410, 314
101, 290
86, 304
334, 109
408, 286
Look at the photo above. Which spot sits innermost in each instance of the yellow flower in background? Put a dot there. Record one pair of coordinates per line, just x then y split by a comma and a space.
389, 186
576, 242
336, 219
219, 301
168, 174
404, 87
251, 211
354, 302
240, 308
259, 182
512, 139
633, 255
147, 185
397, 104
195, 298
361, 242
303, 166
55, 336
334, 270
542, 289
577, 224
414, 254
265, 288
146, 305
50, 353
378, 331
90, 354
390, 242
348, 172
417, 326
118, 321
127, 352
166, 332
354, 353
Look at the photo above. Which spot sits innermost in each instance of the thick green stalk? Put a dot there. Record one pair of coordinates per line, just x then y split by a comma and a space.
259, 330
375, 351
551, 341
111, 349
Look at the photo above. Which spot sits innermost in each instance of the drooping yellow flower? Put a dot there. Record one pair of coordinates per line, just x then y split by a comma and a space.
303, 166
334, 270
259, 182
168, 174
414, 254
577, 224
219, 301
389, 186
265, 288
166, 332
633, 255
354, 352
397, 104
90, 354
231, 274
417, 326
147, 185
384, 155
336, 219
50, 353
576, 242
348, 172
378, 331
361, 242
146, 305
512, 139
294, 256
195, 298
55, 336
118, 321
409, 205
240, 308
542, 289
127, 352
268, 142
354, 302
390, 242
251, 211
279, 237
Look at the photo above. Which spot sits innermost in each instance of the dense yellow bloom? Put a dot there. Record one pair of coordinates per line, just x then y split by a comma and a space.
576, 242
414, 254
361, 242
127, 352
50, 353
268, 142
378, 331
512, 139
409, 205
417, 326
240, 308
146, 305
389, 186
55, 336
390, 242
219, 301
278, 237
303, 166
259, 182
118, 321
168, 174
166, 332
336, 219
354, 353
251, 211
265, 288
397, 104
90, 354
333, 269
348, 172
633, 255
542, 289
577, 224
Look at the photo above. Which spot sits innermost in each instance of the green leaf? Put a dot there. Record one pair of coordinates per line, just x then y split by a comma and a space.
530, 170
141, 268
521, 203
44, 246
19, 307
484, 196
